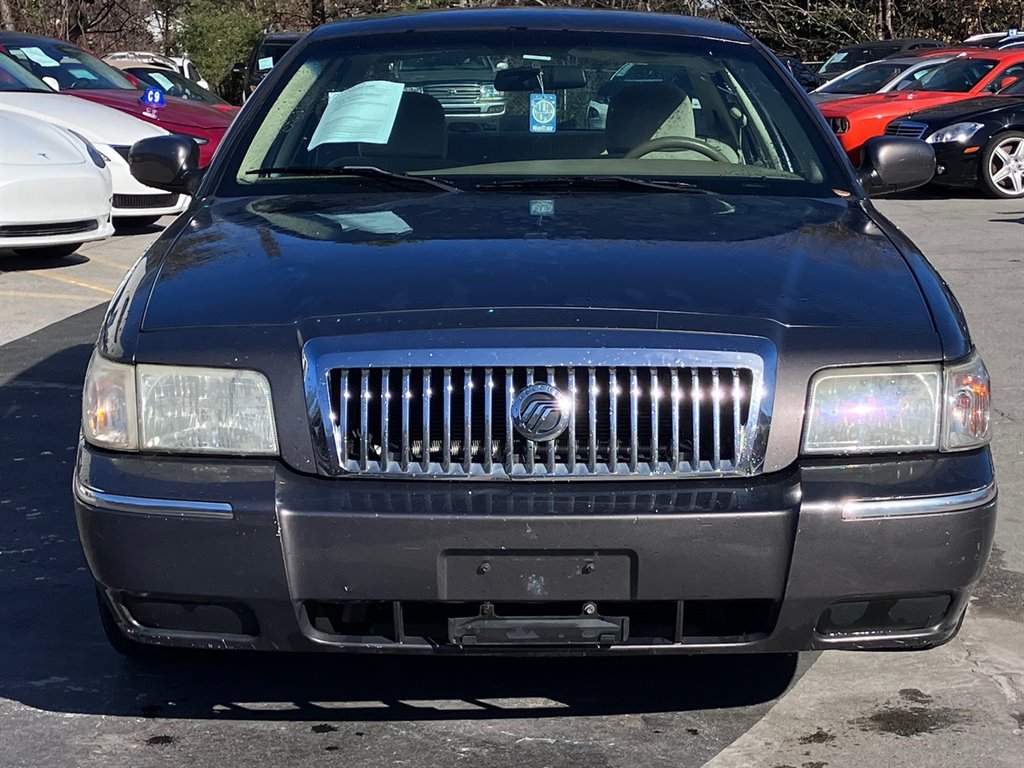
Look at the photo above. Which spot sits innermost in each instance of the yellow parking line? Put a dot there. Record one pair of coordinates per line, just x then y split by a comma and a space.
106, 262
40, 295
72, 281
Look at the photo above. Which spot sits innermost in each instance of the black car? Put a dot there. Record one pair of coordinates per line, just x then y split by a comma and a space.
664, 386
979, 142
270, 49
808, 79
852, 56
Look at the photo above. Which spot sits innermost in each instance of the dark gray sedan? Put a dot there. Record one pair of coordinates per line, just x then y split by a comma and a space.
666, 385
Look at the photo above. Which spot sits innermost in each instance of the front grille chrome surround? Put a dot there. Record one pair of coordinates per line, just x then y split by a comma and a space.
446, 413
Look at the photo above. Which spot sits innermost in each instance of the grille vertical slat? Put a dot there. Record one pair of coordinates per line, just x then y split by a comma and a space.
406, 398
677, 421
655, 397
552, 444
570, 457
737, 403
695, 402
531, 446
634, 419
676, 398
488, 419
613, 420
716, 421
385, 417
467, 420
342, 441
592, 420
446, 416
425, 439
364, 420
509, 448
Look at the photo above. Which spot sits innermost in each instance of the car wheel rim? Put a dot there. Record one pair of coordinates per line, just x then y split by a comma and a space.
1006, 166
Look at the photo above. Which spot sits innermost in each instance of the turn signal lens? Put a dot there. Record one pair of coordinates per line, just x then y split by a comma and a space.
109, 417
968, 406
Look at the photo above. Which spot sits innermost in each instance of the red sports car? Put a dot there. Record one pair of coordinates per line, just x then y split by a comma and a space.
75, 72
972, 73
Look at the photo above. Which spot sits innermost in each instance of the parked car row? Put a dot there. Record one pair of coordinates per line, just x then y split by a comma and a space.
69, 122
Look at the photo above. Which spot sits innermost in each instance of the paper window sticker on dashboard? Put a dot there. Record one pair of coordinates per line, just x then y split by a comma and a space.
39, 57
364, 113
267, 62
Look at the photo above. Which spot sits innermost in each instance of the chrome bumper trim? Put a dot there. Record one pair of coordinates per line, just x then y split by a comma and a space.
205, 510
861, 509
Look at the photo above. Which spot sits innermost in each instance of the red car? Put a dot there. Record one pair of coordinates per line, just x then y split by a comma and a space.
972, 73
75, 72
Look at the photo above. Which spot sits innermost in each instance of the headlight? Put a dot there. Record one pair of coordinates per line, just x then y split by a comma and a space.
967, 406
894, 409
489, 92
177, 409
109, 416
960, 132
97, 157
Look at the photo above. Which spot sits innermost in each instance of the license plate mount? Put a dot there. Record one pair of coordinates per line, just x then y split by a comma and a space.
490, 629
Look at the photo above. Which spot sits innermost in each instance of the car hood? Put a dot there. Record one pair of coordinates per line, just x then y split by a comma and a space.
286, 260
176, 114
31, 142
971, 109
881, 104
97, 123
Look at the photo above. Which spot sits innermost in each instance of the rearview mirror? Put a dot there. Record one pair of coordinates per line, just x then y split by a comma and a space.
895, 163
555, 77
170, 163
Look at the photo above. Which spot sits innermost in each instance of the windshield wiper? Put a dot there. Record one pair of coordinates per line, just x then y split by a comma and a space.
592, 182
366, 171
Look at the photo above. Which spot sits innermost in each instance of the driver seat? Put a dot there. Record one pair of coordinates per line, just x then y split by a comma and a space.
639, 113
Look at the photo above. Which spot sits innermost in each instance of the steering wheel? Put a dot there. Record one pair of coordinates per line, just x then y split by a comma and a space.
675, 143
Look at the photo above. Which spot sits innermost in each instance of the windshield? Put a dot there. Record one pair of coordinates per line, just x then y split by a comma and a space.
958, 76
710, 112
71, 67
174, 84
16, 78
868, 79
840, 61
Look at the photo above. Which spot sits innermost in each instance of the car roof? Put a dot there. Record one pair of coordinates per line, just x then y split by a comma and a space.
540, 19
888, 43
282, 37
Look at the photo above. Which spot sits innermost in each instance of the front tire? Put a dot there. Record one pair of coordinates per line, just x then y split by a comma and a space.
49, 251
1002, 165
132, 223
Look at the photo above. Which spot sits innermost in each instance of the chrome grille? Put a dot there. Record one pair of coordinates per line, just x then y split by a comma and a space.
627, 420
907, 128
455, 95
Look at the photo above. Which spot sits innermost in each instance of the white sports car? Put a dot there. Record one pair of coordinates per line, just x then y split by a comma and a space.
54, 189
112, 133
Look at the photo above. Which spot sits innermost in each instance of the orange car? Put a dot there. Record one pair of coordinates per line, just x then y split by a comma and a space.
972, 73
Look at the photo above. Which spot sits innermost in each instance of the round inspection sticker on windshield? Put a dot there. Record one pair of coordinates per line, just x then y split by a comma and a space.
543, 112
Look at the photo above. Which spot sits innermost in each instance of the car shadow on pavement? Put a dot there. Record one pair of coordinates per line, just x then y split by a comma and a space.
55, 658
13, 262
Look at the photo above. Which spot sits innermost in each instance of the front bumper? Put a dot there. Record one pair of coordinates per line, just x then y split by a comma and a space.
233, 554
954, 167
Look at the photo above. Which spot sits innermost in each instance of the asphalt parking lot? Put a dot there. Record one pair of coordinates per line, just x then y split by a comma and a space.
66, 699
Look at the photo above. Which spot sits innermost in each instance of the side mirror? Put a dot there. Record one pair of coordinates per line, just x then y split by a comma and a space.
170, 163
52, 82
894, 163
239, 68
